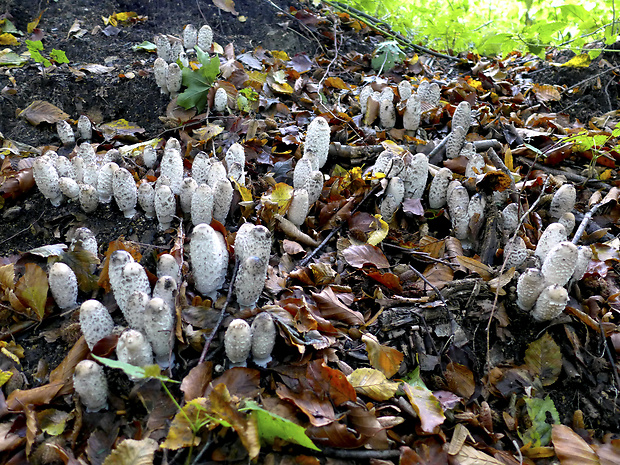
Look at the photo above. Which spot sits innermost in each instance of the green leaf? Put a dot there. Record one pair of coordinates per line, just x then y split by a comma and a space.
539, 434
386, 55
198, 82
271, 426
150, 371
59, 56
145, 46
34, 44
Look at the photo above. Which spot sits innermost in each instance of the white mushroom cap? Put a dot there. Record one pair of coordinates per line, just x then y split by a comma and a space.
174, 78
314, 186
165, 206
299, 207
238, 342
462, 116
220, 101
65, 132
301, 173
134, 310
125, 192
438, 190
69, 188
568, 221
263, 338
172, 166
188, 187
529, 286
133, 348
167, 265
47, 179
551, 303
90, 383
222, 200
404, 89
85, 127
158, 327
387, 113
133, 279
389, 164
416, 176
63, 284
149, 156
250, 281
413, 112
456, 139
553, 235
209, 259
160, 70
253, 241
201, 166
166, 289
217, 173
584, 255
89, 200
563, 201
118, 260
190, 36
515, 253
95, 321
560, 262
317, 139
205, 38
458, 204
202, 205
146, 199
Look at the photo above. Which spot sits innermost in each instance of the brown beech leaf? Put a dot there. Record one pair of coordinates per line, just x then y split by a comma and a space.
320, 411
609, 453
385, 359
41, 111
180, 433
332, 307
195, 383
543, 358
330, 381
476, 266
132, 452
373, 383
31, 290
241, 382
389, 280
32, 427
359, 255
570, 448
335, 434
460, 380
9, 440
426, 406
245, 426
471, 456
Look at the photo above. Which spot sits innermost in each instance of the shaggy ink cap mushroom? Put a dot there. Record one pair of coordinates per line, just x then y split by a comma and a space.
165, 206
413, 112
238, 342
63, 284
438, 190
89, 199
133, 310
133, 348
222, 200
146, 199
91, 385
563, 201
95, 321
47, 179
299, 207
552, 235
250, 281
209, 259
220, 101
125, 192
560, 262
551, 303
202, 205
263, 338
415, 176
317, 139
158, 328
529, 286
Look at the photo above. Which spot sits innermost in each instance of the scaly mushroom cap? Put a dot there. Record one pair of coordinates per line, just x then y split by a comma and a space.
205, 38
416, 176
89, 200
560, 262
63, 284
190, 36
146, 199
172, 166
202, 205
90, 383
222, 200
149, 156
404, 89
158, 327
238, 342
563, 201
438, 190
85, 127
188, 187
317, 139
314, 186
263, 338
299, 207
529, 286
65, 132
515, 253
253, 241
250, 281
174, 78
167, 265
47, 179
209, 259
583, 260
134, 310
134, 348
69, 188
166, 289
458, 204
413, 112
220, 101
553, 235
510, 216
551, 303
133, 278
389, 164
95, 321
125, 192
105, 180
165, 206
301, 173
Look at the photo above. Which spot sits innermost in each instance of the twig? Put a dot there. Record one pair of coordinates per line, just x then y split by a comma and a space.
320, 85
363, 454
570, 176
420, 256
23, 230
221, 317
580, 83
584, 224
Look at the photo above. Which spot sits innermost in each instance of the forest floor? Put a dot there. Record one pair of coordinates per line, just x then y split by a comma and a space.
471, 378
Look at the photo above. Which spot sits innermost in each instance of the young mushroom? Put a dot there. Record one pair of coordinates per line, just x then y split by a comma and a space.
91, 385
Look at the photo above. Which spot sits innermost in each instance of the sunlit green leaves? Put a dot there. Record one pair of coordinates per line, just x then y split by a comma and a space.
199, 81
151, 371
386, 55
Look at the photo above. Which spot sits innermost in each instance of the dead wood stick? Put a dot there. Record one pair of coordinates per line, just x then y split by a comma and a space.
363, 454
584, 222
570, 176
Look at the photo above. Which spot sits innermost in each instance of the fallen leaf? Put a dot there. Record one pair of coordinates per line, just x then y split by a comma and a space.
373, 383
31, 289
359, 255
384, 358
332, 307
331, 381
477, 267
543, 358
182, 431
226, 5
41, 111
471, 456
570, 448
196, 381
132, 452
460, 380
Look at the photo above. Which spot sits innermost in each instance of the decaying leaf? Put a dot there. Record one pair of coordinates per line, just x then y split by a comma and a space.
423, 402
570, 448
41, 111
384, 358
31, 289
471, 456
132, 452
543, 358
460, 380
373, 383
359, 255
187, 423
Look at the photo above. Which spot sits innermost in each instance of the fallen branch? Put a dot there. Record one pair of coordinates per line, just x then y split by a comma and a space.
576, 178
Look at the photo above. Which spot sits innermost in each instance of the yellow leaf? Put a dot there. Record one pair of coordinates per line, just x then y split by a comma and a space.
373, 384
32, 25
393, 147
501, 281
578, 61
281, 195
475, 84
246, 194
280, 55
7, 277
377, 236
283, 88
32, 289
4, 377
181, 433
606, 175
383, 358
208, 132
508, 161
426, 406
7, 39
543, 358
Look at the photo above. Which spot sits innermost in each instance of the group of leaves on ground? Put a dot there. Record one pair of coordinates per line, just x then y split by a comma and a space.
348, 379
